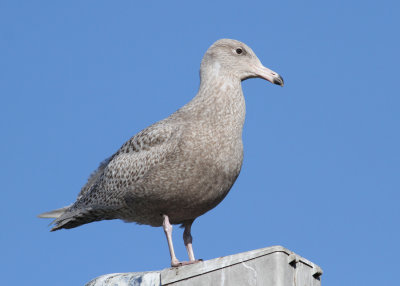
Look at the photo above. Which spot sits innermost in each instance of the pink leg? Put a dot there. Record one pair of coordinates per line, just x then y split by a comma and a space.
168, 232
187, 239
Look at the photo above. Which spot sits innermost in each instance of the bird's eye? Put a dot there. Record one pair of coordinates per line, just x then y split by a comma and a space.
239, 51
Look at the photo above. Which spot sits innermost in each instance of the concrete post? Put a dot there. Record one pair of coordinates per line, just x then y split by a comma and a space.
270, 266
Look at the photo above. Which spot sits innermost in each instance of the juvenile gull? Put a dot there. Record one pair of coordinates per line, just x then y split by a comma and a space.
183, 166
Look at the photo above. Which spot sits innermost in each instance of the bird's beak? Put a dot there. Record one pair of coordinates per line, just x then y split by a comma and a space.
268, 74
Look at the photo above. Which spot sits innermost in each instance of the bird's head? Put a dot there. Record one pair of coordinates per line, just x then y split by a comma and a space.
235, 59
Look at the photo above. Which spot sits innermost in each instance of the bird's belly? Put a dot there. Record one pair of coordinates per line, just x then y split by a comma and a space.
182, 191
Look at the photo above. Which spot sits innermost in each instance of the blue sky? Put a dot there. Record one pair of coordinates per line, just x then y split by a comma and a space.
322, 160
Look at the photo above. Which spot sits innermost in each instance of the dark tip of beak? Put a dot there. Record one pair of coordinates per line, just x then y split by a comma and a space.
278, 80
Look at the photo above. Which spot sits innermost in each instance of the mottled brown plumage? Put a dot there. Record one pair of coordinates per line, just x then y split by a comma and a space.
184, 165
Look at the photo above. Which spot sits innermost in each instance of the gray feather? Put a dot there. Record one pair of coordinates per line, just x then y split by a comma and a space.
54, 213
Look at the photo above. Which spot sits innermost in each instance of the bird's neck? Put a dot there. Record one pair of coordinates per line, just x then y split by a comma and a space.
220, 103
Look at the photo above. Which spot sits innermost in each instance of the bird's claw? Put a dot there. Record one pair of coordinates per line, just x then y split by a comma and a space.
178, 263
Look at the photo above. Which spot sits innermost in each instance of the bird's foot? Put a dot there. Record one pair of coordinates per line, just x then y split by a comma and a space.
177, 263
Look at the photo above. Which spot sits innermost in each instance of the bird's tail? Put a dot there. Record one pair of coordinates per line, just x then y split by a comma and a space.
54, 213
68, 217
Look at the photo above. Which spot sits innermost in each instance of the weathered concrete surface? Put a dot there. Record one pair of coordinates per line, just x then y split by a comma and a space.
128, 279
270, 266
